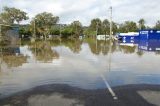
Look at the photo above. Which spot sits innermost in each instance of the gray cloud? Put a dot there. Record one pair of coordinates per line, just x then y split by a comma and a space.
85, 10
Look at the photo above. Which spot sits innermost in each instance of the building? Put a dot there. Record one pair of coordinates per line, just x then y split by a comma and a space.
102, 37
149, 35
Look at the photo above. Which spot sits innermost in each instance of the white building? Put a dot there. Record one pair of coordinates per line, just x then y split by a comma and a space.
102, 37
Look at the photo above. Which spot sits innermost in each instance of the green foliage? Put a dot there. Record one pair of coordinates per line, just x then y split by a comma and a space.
106, 27
67, 32
25, 30
12, 15
142, 24
157, 26
89, 32
76, 27
100, 27
96, 25
55, 30
128, 26
43, 23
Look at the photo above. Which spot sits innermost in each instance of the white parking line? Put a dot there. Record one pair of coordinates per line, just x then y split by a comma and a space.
109, 88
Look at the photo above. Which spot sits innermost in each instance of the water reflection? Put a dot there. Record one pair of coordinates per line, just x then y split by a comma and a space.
78, 63
12, 57
101, 47
141, 46
43, 51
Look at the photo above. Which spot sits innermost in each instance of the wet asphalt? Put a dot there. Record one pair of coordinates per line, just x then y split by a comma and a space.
129, 95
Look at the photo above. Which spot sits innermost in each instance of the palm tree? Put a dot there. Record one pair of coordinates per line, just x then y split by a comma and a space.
141, 24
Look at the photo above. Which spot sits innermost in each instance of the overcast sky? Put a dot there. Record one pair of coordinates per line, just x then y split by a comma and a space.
85, 10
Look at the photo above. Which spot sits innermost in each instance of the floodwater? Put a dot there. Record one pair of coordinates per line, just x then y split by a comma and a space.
85, 64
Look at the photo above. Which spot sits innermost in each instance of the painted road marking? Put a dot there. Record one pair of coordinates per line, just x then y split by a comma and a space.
109, 88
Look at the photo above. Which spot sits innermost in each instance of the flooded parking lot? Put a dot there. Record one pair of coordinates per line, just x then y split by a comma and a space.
80, 72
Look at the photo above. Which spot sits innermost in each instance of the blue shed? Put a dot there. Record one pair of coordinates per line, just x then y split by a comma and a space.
150, 45
128, 37
149, 35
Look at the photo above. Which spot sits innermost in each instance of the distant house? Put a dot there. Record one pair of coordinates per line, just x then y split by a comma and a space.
102, 37
12, 35
82, 36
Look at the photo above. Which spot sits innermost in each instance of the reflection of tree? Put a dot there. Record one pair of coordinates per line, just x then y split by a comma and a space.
98, 47
14, 61
74, 45
157, 52
127, 49
12, 57
43, 51
140, 53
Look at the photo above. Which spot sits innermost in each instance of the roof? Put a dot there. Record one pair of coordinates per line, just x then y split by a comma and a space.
129, 34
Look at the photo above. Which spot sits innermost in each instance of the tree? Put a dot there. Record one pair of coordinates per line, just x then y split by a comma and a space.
96, 25
76, 28
55, 30
106, 26
43, 23
12, 15
25, 31
67, 31
128, 26
114, 27
142, 24
157, 26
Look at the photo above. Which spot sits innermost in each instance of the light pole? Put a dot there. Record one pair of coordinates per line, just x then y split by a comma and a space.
111, 22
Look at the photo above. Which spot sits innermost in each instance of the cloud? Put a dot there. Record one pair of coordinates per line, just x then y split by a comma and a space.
85, 10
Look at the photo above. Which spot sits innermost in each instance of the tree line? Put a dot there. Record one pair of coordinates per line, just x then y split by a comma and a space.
44, 24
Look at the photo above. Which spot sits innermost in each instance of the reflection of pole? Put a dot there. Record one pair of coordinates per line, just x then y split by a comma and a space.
110, 41
96, 36
0, 33
35, 52
60, 32
1, 59
110, 51
111, 23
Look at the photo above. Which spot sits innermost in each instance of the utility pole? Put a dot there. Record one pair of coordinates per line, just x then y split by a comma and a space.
111, 22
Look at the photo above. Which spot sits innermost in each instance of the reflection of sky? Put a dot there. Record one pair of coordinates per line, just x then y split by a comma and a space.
82, 70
